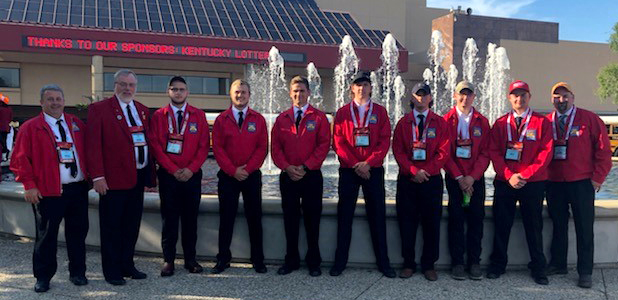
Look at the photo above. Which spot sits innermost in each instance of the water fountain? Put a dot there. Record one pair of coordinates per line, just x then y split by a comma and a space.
347, 67
315, 86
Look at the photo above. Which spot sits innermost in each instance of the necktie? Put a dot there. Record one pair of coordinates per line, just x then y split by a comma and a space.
63, 137
421, 124
518, 123
140, 149
562, 123
179, 120
299, 116
240, 119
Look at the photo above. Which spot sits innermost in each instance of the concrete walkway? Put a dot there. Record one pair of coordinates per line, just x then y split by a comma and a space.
241, 282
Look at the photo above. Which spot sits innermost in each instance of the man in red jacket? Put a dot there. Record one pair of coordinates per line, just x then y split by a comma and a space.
362, 133
49, 160
300, 142
421, 145
465, 182
120, 164
581, 161
520, 150
180, 143
6, 115
240, 145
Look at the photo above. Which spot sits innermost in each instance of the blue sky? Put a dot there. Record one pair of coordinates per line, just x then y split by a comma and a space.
585, 20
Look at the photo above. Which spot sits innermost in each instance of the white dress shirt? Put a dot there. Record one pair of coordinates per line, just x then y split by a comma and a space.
463, 125
175, 113
138, 122
235, 111
65, 173
303, 109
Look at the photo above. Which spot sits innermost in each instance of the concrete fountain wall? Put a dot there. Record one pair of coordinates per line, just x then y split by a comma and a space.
16, 218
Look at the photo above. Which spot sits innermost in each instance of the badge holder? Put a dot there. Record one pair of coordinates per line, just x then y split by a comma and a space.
174, 143
560, 150
514, 150
137, 133
464, 149
361, 137
419, 152
65, 152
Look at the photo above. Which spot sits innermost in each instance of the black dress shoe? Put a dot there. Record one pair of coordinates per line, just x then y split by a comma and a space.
193, 267
135, 274
389, 272
120, 281
315, 272
551, 270
260, 268
219, 267
335, 271
286, 269
167, 269
41, 286
541, 279
78, 280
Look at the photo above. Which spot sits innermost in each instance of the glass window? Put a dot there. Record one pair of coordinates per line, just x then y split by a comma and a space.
199, 85
144, 83
195, 84
108, 81
9, 77
615, 130
159, 83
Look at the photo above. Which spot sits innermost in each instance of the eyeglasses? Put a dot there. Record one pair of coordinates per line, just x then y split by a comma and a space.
178, 90
124, 84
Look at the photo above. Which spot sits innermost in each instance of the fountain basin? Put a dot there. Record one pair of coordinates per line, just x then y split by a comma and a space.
16, 218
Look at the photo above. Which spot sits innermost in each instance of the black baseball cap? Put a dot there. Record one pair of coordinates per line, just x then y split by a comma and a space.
421, 86
361, 76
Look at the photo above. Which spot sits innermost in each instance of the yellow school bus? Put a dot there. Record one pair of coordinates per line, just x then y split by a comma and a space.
611, 123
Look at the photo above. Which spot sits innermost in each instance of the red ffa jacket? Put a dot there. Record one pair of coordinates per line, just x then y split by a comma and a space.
379, 137
35, 158
111, 153
437, 145
589, 155
476, 165
536, 154
195, 144
308, 147
234, 146
6, 115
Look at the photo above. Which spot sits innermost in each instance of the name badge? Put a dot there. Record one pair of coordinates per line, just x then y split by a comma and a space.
514, 150
361, 137
137, 133
464, 149
560, 150
419, 153
65, 152
174, 144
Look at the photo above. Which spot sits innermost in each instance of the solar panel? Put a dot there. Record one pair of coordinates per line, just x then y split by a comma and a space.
277, 20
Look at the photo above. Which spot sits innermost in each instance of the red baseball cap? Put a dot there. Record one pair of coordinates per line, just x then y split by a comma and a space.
518, 84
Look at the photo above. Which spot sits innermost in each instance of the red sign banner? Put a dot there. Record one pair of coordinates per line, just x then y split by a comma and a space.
143, 48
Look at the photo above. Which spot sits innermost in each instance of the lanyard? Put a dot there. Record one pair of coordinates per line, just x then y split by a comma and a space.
460, 131
568, 129
170, 123
415, 129
523, 132
354, 115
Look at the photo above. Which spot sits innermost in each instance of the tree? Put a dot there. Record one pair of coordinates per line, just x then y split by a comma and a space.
608, 75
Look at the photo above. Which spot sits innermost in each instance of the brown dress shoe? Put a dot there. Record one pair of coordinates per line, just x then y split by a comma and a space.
167, 269
406, 273
431, 275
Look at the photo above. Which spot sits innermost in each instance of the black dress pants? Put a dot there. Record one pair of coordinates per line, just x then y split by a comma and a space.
72, 206
373, 190
229, 190
580, 195
180, 202
530, 199
419, 203
309, 189
120, 215
472, 216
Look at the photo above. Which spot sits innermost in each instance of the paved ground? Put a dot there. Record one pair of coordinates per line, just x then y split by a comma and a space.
241, 282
